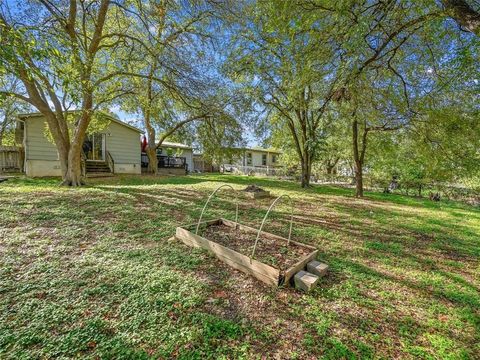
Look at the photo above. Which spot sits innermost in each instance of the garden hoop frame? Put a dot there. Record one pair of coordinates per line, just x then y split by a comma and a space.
208, 200
265, 218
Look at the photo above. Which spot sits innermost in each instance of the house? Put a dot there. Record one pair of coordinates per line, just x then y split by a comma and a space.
173, 158
253, 160
115, 149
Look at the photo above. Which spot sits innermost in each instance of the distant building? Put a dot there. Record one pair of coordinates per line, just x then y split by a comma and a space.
173, 158
253, 161
115, 149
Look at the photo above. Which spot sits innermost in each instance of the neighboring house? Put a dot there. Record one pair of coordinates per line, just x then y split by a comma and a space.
115, 149
173, 158
254, 160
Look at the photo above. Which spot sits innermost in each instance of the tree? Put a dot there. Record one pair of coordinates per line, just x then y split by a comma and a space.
464, 14
9, 107
281, 68
66, 56
441, 149
177, 86
385, 51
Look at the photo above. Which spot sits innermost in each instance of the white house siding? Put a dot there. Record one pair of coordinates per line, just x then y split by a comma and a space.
124, 145
41, 156
257, 158
188, 155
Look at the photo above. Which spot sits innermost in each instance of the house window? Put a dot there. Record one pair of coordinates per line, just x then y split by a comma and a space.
274, 158
264, 159
249, 159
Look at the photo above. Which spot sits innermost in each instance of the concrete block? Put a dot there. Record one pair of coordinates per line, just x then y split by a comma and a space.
317, 268
305, 281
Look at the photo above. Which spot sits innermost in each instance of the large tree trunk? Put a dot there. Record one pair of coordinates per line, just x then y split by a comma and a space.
74, 170
464, 14
306, 171
152, 159
358, 179
73, 175
151, 149
358, 156
63, 150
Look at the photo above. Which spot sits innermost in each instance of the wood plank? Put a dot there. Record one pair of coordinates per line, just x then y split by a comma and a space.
299, 266
206, 222
239, 261
225, 251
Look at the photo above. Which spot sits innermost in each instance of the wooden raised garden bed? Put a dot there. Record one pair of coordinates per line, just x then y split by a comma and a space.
277, 259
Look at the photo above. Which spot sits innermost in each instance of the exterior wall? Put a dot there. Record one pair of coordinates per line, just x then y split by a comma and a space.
186, 153
37, 145
41, 156
127, 168
124, 145
256, 158
40, 168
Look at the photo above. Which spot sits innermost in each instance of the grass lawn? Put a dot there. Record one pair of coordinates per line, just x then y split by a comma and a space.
90, 273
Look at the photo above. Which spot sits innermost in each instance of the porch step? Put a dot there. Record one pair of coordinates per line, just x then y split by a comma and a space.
98, 174
317, 268
305, 281
97, 167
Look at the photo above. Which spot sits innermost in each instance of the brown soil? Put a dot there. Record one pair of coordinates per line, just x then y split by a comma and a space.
253, 188
269, 251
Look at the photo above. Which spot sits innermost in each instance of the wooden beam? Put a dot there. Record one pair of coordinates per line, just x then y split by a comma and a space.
263, 272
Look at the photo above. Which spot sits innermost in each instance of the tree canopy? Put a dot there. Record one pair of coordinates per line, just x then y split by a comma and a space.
325, 81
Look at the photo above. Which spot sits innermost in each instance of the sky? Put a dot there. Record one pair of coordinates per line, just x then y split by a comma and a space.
131, 118
135, 120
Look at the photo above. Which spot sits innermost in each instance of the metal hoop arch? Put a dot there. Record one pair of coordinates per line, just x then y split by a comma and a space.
265, 218
208, 200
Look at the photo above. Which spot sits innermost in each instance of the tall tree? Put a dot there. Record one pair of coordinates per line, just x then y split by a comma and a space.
465, 14
67, 55
178, 85
384, 51
285, 70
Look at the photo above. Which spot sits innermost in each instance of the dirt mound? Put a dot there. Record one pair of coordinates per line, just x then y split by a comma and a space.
253, 188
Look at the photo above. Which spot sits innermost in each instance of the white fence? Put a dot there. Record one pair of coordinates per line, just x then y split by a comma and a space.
253, 170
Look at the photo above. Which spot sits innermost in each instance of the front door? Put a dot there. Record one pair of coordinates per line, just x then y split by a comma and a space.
94, 147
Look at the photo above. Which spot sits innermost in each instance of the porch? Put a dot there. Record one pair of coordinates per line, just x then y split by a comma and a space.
167, 165
97, 161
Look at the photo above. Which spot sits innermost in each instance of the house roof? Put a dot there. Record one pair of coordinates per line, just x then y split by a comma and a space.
259, 149
39, 114
270, 150
175, 145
